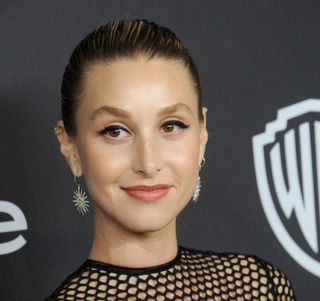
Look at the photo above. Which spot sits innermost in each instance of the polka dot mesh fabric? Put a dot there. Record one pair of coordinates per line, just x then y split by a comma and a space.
192, 275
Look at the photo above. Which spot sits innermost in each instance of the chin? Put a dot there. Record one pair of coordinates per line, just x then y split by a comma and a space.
148, 224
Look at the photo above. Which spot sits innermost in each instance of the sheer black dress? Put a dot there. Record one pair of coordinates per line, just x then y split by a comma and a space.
191, 275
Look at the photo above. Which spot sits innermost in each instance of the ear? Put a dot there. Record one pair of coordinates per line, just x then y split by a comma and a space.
68, 148
203, 134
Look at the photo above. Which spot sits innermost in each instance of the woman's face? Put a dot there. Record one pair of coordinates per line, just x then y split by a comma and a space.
138, 125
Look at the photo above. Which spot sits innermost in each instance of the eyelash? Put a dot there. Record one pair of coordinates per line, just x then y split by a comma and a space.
111, 128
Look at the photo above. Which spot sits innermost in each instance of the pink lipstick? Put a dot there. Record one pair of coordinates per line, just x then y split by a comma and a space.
148, 193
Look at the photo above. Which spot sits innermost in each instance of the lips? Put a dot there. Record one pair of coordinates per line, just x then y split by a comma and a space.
148, 193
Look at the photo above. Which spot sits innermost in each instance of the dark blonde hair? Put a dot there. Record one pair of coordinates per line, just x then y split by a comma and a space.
120, 39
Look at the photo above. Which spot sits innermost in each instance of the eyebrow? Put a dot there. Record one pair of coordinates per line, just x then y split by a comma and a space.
117, 112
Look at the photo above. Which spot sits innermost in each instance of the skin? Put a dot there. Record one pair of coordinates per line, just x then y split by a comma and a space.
144, 151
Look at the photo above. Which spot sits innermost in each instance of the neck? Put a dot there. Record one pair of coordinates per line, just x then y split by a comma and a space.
117, 245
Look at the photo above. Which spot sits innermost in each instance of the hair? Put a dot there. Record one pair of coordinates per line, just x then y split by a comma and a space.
115, 40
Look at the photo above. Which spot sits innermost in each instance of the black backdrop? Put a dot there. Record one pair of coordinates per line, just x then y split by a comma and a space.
254, 57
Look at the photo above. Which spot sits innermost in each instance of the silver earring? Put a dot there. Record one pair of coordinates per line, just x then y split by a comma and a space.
197, 190
203, 162
80, 198
196, 193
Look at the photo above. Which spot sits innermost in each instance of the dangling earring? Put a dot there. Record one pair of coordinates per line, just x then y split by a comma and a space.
197, 190
80, 198
198, 185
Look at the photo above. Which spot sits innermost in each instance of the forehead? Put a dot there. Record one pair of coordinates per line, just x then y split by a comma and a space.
131, 83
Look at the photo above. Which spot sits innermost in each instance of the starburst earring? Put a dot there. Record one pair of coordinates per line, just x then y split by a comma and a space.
80, 198
196, 193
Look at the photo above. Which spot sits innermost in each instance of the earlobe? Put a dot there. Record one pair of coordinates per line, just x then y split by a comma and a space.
203, 134
68, 148
204, 114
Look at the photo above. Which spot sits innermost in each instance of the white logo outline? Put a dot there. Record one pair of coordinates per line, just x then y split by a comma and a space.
258, 143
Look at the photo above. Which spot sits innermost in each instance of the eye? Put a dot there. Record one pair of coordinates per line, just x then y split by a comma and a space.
114, 132
173, 126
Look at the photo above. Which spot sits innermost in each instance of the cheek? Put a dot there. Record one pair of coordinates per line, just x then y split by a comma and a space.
101, 163
184, 156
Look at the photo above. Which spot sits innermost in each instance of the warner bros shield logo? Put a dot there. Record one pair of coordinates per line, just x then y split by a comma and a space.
287, 166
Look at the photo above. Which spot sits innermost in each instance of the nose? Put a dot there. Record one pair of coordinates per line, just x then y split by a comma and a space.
147, 160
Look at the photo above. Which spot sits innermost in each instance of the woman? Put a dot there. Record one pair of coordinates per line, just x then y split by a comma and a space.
134, 127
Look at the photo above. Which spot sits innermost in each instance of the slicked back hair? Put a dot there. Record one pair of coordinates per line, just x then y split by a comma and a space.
115, 40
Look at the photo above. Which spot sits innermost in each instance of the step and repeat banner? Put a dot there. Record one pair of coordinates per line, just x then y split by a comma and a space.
259, 67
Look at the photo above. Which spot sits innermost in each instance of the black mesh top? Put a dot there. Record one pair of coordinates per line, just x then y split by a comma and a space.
191, 275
